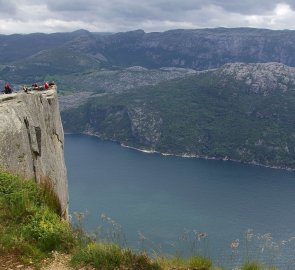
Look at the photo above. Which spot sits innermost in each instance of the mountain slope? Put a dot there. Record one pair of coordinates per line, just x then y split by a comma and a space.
17, 46
58, 61
26, 58
241, 112
198, 49
105, 81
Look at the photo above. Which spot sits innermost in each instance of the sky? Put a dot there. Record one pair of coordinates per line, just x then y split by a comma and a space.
47, 16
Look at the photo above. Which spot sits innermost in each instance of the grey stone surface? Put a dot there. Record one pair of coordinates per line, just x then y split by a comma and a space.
261, 77
32, 139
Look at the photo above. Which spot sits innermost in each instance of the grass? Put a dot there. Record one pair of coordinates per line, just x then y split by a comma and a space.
30, 220
110, 256
252, 266
49, 196
195, 262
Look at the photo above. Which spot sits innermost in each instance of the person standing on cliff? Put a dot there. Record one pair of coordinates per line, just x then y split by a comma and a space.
7, 89
46, 86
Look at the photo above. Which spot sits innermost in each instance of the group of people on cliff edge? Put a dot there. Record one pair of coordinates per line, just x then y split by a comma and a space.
8, 89
36, 87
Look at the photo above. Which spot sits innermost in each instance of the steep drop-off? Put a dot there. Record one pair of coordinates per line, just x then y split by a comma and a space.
32, 139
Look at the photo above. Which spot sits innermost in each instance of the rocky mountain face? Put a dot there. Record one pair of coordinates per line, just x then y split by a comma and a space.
32, 140
261, 78
101, 82
82, 52
198, 49
242, 112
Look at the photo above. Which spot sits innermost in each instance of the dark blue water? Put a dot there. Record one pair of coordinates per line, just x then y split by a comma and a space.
170, 200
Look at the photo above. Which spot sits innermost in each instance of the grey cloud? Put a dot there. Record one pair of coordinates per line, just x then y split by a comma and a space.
125, 12
7, 7
72, 6
145, 8
154, 9
151, 15
247, 6
255, 7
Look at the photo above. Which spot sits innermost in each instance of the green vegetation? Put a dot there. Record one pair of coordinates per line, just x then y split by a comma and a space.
195, 262
256, 266
54, 63
207, 115
252, 266
110, 256
30, 225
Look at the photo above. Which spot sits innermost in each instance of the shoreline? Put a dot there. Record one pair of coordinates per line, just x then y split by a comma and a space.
186, 155
206, 158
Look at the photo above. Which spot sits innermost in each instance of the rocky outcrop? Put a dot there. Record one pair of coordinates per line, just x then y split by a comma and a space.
32, 139
145, 125
261, 77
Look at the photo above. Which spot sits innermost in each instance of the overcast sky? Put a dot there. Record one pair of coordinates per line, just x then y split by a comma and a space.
27, 16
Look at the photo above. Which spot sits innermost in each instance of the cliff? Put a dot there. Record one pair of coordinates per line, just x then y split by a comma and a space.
32, 139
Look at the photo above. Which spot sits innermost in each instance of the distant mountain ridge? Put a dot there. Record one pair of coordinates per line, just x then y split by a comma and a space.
198, 49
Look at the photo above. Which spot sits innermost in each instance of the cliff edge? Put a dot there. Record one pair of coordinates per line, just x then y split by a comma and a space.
32, 139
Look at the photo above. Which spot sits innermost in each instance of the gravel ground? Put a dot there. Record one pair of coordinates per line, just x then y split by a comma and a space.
57, 262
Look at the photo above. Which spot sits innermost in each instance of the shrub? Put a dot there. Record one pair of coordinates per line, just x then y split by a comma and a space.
252, 266
110, 256
192, 263
30, 225
17, 197
105, 256
48, 195
139, 261
48, 231
199, 262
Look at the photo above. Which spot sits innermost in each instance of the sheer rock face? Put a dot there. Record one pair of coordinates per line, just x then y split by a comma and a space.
32, 139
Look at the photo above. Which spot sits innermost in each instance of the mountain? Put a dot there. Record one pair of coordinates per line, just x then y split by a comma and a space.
36, 57
106, 81
242, 112
57, 61
15, 47
198, 49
